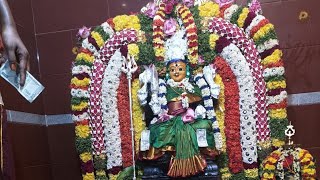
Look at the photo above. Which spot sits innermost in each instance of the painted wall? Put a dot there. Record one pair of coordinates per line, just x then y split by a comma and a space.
48, 29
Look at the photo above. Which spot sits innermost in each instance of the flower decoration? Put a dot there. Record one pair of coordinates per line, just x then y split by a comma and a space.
83, 32
170, 26
209, 9
150, 10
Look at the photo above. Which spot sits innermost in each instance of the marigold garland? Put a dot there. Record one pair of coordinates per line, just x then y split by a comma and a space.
209, 9
126, 22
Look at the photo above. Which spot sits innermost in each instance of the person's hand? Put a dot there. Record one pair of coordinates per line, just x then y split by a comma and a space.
16, 52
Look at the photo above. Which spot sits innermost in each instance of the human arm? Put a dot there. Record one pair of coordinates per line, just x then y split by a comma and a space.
15, 50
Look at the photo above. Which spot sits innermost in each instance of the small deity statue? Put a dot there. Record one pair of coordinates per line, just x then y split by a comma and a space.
181, 129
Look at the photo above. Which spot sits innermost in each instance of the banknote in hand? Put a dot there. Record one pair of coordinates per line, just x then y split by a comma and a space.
32, 87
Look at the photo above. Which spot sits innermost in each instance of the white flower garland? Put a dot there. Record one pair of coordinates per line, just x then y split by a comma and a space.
87, 45
208, 105
80, 93
240, 68
111, 122
254, 23
295, 164
184, 83
275, 71
267, 45
81, 69
278, 98
107, 29
162, 96
230, 11
80, 117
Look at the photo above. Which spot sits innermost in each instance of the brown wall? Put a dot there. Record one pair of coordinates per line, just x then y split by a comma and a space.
48, 29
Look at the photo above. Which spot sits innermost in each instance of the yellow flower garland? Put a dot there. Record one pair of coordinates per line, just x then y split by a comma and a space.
101, 173
82, 131
96, 36
80, 83
138, 122
88, 176
263, 31
273, 58
277, 142
242, 17
212, 40
252, 173
209, 9
126, 22
79, 107
85, 157
278, 113
85, 57
113, 177
276, 84
133, 50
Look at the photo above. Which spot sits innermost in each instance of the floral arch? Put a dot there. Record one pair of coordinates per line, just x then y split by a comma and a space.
241, 45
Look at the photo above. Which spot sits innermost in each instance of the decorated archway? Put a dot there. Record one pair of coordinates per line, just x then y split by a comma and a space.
237, 42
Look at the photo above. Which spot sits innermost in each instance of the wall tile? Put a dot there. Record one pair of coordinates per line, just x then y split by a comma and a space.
61, 139
42, 172
14, 101
55, 52
302, 66
22, 14
29, 145
306, 123
57, 94
58, 15
291, 31
120, 7
66, 171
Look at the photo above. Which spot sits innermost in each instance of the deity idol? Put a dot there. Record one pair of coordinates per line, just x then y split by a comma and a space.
181, 129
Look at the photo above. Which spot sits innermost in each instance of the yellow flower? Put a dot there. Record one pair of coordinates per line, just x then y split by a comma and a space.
85, 157
220, 110
270, 167
209, 9
251, 173
101, 173
79, 107
212, 40
272, 160
243, 16
268, 175
273, 58
85, 57
113, 177
277, 142
263, 31
133, 50
138, 122
278, 113
97, 37
88, 176
276, 84
308, 171
159, 52
82, 131
80, 83
126, 22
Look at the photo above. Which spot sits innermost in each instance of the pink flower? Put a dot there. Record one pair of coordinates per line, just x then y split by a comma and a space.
188, 116
168, 9
84, 32
152, 8
255, 6
170, 26
224, 2
201, 60
188, 3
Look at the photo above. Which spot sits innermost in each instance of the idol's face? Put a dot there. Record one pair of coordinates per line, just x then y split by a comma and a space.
177, 71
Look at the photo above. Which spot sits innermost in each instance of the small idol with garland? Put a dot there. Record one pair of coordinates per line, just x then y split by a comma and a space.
186, 127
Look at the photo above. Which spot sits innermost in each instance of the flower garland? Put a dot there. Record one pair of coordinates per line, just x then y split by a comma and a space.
138, 123
240, 68
110, 111
220, 109
122, 22
266, 41
162, 96
191, 32
124, 118
81, 72
209, 9
232, 115
208, 105
158, 34
297, 161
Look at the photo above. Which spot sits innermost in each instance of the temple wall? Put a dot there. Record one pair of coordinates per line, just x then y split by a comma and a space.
43, 136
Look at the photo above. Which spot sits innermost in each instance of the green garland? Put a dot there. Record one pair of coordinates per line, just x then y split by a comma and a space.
235, 16
269, 35
278, 126
83, 144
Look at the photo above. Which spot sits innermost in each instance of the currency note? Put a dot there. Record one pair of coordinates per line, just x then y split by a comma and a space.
202, 138
32, 87
145, 140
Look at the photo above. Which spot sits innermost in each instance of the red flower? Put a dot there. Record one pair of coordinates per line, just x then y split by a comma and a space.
110, 22
168, 9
